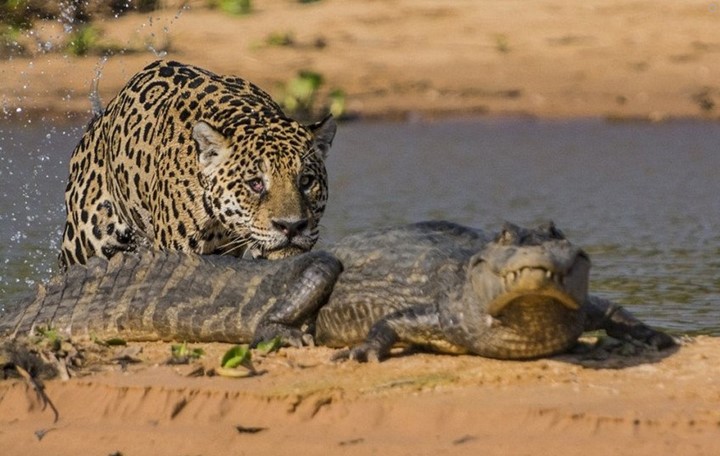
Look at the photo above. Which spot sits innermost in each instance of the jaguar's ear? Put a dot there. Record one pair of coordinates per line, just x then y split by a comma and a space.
212, 145
324, 133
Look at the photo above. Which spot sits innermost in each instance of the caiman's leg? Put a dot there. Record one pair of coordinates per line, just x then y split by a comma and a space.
621, 324
310, 287
418, 325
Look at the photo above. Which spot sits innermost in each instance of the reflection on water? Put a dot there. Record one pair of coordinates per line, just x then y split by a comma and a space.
641, 198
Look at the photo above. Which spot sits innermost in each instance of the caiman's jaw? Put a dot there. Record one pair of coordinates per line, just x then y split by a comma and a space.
539, 283
525, 290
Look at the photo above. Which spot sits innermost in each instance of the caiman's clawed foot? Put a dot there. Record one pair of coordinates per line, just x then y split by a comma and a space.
362, 353
621, 324
654, 338
369, 351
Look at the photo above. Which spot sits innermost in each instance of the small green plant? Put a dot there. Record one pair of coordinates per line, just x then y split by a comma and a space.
234, 7
48, 337
502, 45
280, 39
16, 14
183, 354
299, 93
83, 40
337, 103
299, 96
237, 362
9, 42
269, 346
239, 355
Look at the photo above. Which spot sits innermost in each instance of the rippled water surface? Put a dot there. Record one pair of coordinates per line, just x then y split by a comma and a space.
643, 199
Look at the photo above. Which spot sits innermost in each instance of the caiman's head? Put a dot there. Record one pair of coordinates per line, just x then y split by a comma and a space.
522, 296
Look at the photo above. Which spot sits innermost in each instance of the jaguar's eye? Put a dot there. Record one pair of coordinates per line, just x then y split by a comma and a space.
256, 185
306, 181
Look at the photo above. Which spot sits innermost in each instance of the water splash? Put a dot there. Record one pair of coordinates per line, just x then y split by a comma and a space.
33, 155
33, 168
68, 12
95, 100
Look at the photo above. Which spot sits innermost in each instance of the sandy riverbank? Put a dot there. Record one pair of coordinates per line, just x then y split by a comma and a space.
408, 58
416, 404
399, 59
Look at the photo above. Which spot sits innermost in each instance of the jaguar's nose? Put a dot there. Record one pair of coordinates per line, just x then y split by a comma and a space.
290, 228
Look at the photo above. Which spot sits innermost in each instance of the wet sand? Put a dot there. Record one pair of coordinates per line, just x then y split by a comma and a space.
401, 59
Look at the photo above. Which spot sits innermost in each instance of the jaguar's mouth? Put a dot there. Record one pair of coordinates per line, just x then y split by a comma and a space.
284, 250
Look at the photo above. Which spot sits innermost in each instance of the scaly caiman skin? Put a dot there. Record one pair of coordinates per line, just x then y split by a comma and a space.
169, 295
521, 293
517, 294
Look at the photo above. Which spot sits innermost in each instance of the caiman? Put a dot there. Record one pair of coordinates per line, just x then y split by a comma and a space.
518, 294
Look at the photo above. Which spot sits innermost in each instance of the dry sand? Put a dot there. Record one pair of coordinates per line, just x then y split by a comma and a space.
406, 59
410, 58
415, 404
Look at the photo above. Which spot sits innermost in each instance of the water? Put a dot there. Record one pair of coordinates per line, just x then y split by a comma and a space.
33, 172
643, 199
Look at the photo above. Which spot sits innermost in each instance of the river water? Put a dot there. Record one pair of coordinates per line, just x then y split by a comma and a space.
642, 199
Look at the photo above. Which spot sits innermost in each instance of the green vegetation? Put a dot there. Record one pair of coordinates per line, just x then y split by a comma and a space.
14, 19
17, 17
183, 354
15, 14
269, 346
300, 96
502, 45
238, 355
9, 44
337, 103
234, 7
83, 41
237, 363
299, 93
48, 337
280, 39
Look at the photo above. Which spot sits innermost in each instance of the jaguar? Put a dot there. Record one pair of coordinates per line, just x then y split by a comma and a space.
187, 160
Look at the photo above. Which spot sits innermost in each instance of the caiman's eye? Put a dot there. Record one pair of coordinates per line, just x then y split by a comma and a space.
256, 185
306, 181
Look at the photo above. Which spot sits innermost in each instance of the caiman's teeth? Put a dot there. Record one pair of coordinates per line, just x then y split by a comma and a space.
513, 276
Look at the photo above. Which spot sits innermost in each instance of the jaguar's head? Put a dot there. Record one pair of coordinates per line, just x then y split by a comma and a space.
265, 182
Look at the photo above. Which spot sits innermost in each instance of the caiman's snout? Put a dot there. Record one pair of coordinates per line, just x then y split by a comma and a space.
539, 284
524, 291
530, 266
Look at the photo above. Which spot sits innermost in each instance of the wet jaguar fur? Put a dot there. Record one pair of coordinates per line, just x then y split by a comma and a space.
184, 159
